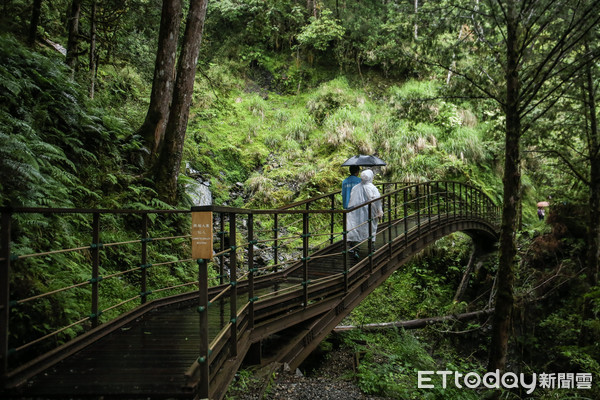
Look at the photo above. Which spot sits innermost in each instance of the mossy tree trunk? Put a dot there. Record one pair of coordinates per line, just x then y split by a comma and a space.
93, 59
73, 32
169, 162
155, 123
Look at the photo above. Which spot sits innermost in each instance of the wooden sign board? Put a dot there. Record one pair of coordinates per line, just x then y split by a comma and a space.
202, 235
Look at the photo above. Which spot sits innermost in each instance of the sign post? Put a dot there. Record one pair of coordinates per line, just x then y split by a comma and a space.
202, 252
202, 235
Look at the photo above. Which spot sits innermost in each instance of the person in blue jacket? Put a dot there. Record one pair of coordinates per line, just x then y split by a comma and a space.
349, 183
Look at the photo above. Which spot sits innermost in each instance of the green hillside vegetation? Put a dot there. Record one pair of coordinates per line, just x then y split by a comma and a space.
279, 104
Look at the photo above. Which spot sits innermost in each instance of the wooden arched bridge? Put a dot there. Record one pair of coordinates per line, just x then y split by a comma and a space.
273, 285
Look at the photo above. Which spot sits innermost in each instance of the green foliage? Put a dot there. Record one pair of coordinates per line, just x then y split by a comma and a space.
391, 362
424, 287
414, 100
45, 130
329, 98
321, 31
271, 24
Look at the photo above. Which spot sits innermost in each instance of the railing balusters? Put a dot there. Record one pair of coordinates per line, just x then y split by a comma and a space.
305, 237
251, 270
275, 240
390, 240
395, 200
345, 248
203, 359
405, 207
233, 283
370, 241
222, 249
332, 225
446, 208
418, 210
144, 271
95, 250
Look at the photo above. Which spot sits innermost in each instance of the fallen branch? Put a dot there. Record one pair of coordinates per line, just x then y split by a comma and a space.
415, 323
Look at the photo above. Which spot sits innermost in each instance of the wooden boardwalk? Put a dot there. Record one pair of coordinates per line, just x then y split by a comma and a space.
149, 357
190, 345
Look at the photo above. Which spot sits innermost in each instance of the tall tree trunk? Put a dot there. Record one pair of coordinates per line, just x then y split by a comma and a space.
73, 40
93, 49
153, 128
167, 169
588, 336
512, 183
36, 12
593, 250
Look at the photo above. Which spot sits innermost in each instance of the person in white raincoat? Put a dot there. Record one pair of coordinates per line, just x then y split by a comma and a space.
358, 229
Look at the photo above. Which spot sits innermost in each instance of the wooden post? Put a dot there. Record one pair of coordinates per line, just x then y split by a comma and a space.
405, 206
418, 211
461, 208
251, 271
446, 196
390, 227
369, 239
305, 234
439, 204
454, 199
428, 203
471, 202
203, 359
275, 241
396, 200
383, 200
221, 249
332, 219
345, 249
95, 250
5, 290
233, 283
144, 278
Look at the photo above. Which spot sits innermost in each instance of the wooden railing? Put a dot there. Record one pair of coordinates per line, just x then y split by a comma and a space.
285, 240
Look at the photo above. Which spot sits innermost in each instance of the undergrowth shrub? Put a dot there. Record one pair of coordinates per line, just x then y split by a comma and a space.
330, 96
47, 133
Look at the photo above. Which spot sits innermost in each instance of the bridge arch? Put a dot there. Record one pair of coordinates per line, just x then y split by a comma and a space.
308, 287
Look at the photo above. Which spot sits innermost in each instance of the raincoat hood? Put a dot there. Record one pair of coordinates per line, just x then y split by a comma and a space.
366, 176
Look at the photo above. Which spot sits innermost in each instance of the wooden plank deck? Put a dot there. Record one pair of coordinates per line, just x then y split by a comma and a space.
148, 357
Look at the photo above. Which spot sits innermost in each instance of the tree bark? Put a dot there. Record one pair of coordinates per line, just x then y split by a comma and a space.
93, 49
169, 162
588, 336
36, 12
153, 128
73, 40
512, 183
593, 248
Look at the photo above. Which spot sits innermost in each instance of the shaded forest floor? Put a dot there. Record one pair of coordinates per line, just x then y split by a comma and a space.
329, 377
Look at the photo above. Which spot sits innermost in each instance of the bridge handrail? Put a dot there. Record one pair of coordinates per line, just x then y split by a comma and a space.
419, 200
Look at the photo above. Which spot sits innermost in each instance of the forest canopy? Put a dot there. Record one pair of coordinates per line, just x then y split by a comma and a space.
135, 103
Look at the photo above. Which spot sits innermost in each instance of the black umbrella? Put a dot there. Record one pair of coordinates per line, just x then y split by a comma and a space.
364, 161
